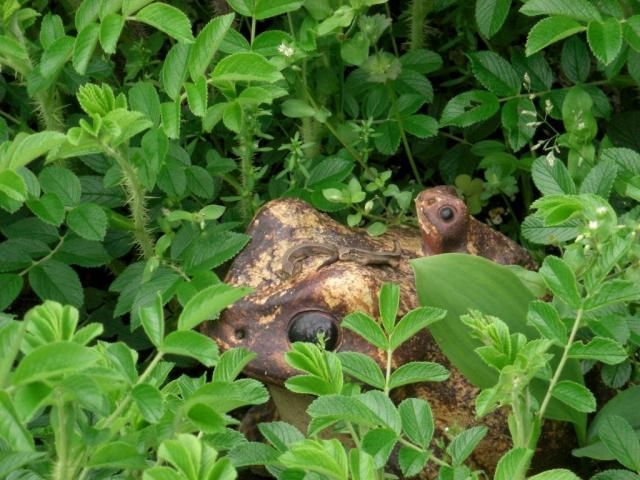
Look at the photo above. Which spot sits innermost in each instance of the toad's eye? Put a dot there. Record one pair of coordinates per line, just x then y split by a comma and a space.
308, 326
447, 214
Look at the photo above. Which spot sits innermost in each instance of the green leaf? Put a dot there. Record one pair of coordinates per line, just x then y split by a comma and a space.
546, 319
167, 19
207, 43
469, 108
253, 453
48, 207
601, 349
324, 457
387, 140
89, 221
514, 464
11, 428
464, 443
53, 280
618, 436
576, 9
280, 434
245, 67
11, 288
174, 70
417, 372
605, 39
366, 327
54, 57
355, 50
362, 367
62, 182
362, 466
412, 461
388, 302
517, 122
110, 30
632, 32
13, 186
84, 46
197, 94
270, 8
495, 73
612, 292
421, 126
26, 148
561, 280
414, 321
339, 407
295, 108
491, 15
118, 454
575, 395
575, 60
417, 421
170, 115
551, 30
557, 474
600, 179
208, 303
379, 443
85, 253
191, 344
231, 364
152, 319
53, 359
149, 401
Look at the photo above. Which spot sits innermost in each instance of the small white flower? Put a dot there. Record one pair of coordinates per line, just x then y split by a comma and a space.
551, 158
532, 96
581, 125
548, 106
601, 211
593, 225
533, 124
286, 50
529, 113
579, 238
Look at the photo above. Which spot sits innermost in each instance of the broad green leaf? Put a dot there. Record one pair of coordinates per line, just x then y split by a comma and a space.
118, 454
53, 359
280, 434
197, 94
231, 364
362, 466
412, 461
26, 148
388, 302
192, 344
54, 280
207, 43
632, 32
421, 126
324, 457
149, 401
550, 30
270, 8
576, 9
339, 407
534, 230
362, 367
253, 453
170, 114
616, 433
517, 122
11, 428
561, 280
84, 46
575, 60
355, 50
366, 327
110, 30
87, 13
556, 474
612, 292
417, 421
464, 443
152, 319
245, 67
174, 70
414, 321
11, 288
513, 464
62, 182
602, 349
12, 49
13, 186
600, 179
491, 15
495, 73
167, 19
295, 108
545, 318
208, 303
417, 372
89, 221
605, 39
552, 177
54, 57
575, 395
469, 108
48, 207
85, 253
379, 443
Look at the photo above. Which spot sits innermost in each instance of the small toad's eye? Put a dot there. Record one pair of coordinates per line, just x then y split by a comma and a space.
446, 214
307, 326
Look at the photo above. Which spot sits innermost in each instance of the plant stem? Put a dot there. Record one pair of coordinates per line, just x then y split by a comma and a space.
45, 258
561, 364
253, 29
403, 135
387, 376
419, 11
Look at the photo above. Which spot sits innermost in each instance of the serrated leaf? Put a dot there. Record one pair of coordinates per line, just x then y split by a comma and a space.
110, 30
513, 464
550, 30
495, 73
612, 292
167, 19
231, 364
464, 443
89, 221
174, 70
600, 179
618, 436
576, 9
362, 367
170, 114
245, 67
414, 321
545, 318
62, 182
11, 427
421, 126
53, 359
53, 280
207, 43
208, 303
601, 349
417, 421
270, 8
118, 454
575, 395
561, 280
48, 208
552, 177
149, 401
11, 287
632, 32
417, 372
152, 319
469, 108
13, 186
366, 327
491, 15
412, 461
575, 60
54, 57
188, 343
558, 474
84, 46
197, 94
605, 39
26, 148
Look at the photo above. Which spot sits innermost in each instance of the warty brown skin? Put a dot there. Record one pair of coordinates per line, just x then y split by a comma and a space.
260, 322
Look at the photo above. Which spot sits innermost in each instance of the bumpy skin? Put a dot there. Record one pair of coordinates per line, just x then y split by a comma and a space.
260, 322
446, 226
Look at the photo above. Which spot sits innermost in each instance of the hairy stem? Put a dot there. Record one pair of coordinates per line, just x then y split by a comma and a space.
419, 11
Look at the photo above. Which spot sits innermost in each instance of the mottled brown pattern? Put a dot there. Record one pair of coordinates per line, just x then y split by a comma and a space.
260, 321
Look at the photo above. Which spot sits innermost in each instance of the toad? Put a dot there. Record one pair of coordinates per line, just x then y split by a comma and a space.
309, 271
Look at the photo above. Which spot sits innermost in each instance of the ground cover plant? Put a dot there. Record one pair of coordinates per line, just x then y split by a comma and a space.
138, 138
